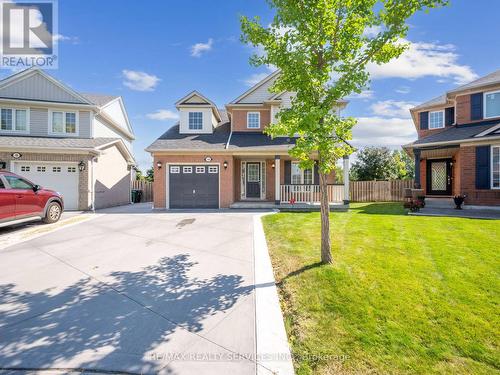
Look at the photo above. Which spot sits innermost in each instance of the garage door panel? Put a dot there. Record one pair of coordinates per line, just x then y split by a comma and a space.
192, 186
61, 177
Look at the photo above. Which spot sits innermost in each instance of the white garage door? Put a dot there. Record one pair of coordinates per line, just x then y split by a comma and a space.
61, 177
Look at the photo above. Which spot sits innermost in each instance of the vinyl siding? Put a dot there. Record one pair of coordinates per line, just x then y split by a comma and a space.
39, 122
36, 87
259, 95
84, 125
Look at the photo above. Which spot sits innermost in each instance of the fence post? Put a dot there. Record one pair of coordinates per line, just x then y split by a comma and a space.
346, 179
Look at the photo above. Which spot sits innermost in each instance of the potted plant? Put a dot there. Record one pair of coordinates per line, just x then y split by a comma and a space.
459, 200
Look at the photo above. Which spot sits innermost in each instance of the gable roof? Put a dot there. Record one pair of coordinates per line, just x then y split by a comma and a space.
31, 73
256, 87
489, 79
99, 99
184, 101
440, 100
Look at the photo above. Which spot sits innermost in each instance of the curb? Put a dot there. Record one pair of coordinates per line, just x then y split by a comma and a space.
273, 351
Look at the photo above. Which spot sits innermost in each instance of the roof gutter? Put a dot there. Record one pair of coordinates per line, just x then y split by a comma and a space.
457, 142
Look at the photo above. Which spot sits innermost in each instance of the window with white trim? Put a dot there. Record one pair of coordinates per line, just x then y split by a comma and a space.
436, 120
253, 120
495, 167
301, 176
56, 169
40, 169
492, 104
187, 169
25, 168
175, 169
63, 122
195, 120
71, 169
200, 169
213, 169
12, 119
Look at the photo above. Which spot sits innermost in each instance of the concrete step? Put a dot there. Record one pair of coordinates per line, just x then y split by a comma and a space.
439, 202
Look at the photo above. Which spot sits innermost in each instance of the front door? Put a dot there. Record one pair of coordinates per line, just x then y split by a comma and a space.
253, 180
439, 177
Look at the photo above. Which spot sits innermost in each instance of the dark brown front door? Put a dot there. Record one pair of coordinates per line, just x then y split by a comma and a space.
439, 177
253, 180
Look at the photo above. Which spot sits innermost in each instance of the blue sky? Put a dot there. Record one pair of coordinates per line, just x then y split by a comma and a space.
107, 45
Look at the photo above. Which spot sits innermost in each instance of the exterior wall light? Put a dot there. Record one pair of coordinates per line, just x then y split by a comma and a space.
225, 164
272, 165
81, 166
158, 164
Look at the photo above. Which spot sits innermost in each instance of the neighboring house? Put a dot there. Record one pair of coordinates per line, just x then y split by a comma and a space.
78, 144
458, 146
216, 158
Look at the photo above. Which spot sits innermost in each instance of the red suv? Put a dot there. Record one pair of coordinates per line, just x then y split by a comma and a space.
21, 200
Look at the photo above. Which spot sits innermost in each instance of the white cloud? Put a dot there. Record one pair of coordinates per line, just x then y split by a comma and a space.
392, 108
403, 90
139, 81
199, 48
65, 38
380, 131
425, 59
372, 31
163, 114
366, 94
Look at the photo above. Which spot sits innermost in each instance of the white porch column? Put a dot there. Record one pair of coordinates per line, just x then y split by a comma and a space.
346, 179
277, 185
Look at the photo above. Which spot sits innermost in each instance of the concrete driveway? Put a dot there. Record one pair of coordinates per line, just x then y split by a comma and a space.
132, 292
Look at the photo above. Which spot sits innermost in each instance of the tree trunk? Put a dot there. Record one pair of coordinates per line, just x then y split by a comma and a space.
326, 253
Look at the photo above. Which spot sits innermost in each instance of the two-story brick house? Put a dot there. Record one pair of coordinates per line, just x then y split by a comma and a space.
78, 144
220, 158
458, 146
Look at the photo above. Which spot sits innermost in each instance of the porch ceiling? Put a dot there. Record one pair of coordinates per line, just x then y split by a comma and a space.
439, 152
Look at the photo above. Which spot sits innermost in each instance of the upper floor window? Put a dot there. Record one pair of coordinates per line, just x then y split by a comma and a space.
436, 120
195, 120
492, 104
253, 120
495, 167
63, 122
12, 119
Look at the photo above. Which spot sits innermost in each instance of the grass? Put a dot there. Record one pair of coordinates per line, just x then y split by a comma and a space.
406, 294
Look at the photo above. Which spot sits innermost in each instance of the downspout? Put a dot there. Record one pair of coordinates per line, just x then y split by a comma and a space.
92, 188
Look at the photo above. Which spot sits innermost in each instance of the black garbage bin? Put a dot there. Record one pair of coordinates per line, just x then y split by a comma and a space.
136, 195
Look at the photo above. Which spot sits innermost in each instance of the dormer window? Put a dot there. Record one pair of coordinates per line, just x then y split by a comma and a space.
253, 120
436, 120
195, 120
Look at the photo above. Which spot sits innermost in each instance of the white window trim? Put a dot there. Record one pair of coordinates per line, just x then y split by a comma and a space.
248, 120
13, 109
188, 124
302, 174
64, 133
484, 103
429, 120
491, 166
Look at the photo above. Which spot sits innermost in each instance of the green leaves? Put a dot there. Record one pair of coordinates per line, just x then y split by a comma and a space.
322, 48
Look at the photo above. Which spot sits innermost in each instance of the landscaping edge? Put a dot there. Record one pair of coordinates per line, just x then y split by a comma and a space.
272, 348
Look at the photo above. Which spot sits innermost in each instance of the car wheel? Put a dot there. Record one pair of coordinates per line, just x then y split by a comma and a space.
53, 214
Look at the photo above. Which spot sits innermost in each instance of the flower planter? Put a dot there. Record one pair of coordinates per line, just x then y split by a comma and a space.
458, 202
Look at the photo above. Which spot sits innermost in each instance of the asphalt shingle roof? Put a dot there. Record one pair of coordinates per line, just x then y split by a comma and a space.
436, 101
46, 142
99, 99
172, 140
489, 79
241, 140
458, 133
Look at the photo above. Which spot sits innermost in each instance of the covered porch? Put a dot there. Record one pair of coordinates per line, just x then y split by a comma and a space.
437, 170
276, 181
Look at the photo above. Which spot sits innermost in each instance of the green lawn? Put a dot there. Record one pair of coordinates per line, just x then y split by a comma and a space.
406, 294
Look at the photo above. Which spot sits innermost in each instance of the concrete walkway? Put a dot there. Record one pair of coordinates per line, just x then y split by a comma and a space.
133, 291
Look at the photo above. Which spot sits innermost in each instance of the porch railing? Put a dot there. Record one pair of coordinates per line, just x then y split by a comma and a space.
310, 193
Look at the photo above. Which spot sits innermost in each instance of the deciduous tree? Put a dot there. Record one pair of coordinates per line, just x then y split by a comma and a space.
322, 48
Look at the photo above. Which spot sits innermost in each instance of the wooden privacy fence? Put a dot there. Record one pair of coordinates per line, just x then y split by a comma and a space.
147, 189
379, 191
